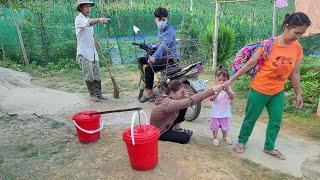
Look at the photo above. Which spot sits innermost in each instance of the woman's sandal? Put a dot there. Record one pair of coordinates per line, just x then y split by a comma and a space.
239, 148
276, 153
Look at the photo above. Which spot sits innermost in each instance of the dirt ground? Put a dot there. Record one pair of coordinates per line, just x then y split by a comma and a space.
39, 148
47, 147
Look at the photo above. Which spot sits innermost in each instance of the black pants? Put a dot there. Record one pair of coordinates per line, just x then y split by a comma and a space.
158, 65
176, 136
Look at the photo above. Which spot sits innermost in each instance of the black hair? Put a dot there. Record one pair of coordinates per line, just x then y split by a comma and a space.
174, 86
296, 19
222, 71
161, 12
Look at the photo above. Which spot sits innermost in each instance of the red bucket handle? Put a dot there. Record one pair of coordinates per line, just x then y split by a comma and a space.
135, 114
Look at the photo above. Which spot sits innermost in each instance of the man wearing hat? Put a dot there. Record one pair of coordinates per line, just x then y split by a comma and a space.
87, 55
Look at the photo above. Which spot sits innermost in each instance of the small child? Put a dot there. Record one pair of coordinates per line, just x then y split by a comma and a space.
221, 108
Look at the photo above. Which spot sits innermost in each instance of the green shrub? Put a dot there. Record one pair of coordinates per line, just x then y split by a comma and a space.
189, 49
63, 50
226, 40
310, 86
190, 27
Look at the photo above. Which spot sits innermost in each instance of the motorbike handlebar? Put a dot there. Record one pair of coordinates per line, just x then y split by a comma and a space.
138, 44
145, 47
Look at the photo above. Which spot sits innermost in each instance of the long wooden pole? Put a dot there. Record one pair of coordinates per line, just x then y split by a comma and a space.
274, 19
24, 52
318, 110
215, 37
2, 48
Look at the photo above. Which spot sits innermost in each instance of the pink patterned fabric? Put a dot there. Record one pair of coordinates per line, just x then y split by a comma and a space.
247, 51
281, 3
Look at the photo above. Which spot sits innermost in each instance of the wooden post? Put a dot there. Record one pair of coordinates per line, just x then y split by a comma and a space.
24, 52
131, 3
274, 20
215, 37
191, 5
318, 110
2, 48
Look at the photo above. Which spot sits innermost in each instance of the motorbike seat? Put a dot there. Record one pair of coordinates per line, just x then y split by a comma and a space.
191, 66
172, 70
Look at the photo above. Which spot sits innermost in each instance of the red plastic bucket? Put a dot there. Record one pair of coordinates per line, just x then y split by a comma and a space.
142, 145
88, 126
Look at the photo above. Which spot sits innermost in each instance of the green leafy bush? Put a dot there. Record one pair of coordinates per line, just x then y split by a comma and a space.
226, 40
310, 86
190, 27
63, 50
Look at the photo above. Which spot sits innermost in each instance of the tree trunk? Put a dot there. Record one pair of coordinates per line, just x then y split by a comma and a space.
318, 111
43, 37
274, 20
24, 52
2, 49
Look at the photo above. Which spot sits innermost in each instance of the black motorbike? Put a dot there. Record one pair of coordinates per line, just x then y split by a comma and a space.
188, 74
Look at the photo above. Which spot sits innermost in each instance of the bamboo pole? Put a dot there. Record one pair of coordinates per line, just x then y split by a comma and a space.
235, 1
24, 52
2, 48
215, 37
274, 19
318, 110
216, 30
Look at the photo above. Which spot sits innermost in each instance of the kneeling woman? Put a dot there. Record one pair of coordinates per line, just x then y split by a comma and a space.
171, 108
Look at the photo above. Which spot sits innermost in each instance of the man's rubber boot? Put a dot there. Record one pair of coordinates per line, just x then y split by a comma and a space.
92, 91
97, 85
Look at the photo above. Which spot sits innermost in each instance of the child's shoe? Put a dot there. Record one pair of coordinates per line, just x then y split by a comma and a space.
227, 140
216, 142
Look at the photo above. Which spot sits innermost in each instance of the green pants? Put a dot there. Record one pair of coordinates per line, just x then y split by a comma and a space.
256, 103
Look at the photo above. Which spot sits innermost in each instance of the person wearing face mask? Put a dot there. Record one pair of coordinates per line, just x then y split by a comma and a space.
164, 54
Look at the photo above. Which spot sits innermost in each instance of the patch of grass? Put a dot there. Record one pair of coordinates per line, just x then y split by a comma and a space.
34, 153
25, 147
55, 148
56, 125
9, 176
6, 119
28, 150
308, 126
254, 167
1, 159
126, 76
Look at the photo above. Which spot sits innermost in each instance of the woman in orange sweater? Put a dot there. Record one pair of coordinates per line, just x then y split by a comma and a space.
267, 86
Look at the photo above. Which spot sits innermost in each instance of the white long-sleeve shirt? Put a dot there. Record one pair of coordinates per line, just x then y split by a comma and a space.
85, 40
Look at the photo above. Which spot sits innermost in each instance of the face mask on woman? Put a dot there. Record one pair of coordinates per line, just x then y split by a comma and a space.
161, 24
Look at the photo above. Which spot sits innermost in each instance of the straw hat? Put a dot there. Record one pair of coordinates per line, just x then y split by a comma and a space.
83, 2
